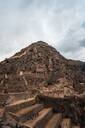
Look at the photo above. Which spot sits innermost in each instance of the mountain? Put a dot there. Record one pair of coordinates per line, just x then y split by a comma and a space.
40, 68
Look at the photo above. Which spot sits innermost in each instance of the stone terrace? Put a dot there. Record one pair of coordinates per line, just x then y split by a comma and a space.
45, 112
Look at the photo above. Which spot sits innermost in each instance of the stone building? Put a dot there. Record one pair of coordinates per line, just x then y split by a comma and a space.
41, 70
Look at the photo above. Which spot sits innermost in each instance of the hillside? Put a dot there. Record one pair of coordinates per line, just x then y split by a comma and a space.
39, 68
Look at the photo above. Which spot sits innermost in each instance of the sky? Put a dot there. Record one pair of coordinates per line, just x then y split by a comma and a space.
60, 23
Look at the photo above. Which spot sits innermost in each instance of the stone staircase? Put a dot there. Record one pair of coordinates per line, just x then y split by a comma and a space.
32, 114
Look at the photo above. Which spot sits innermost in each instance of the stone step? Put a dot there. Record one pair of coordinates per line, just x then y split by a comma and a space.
27, 113
20, 105
41, 120
66, 123
55, 121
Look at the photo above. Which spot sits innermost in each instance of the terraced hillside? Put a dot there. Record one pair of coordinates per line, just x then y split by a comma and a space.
40, 67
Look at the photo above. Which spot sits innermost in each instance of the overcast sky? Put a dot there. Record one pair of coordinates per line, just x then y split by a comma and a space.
60, 23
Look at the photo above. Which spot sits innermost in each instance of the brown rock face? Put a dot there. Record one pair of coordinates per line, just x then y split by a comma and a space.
40, 65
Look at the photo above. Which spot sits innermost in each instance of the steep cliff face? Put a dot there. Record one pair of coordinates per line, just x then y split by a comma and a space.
40, 65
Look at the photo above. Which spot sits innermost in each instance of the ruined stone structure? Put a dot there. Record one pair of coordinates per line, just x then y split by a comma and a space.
40, 69
40, 64
46, 112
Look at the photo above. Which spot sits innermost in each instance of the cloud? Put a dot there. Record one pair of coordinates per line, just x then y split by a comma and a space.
82, 43
61, 23
83, 25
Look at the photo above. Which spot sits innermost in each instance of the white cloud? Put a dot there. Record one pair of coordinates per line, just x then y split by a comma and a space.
58, 22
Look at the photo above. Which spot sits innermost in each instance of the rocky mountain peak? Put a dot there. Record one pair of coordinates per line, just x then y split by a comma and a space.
39, 47
38, 66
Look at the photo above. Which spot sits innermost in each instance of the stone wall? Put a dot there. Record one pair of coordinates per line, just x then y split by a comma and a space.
71, 107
